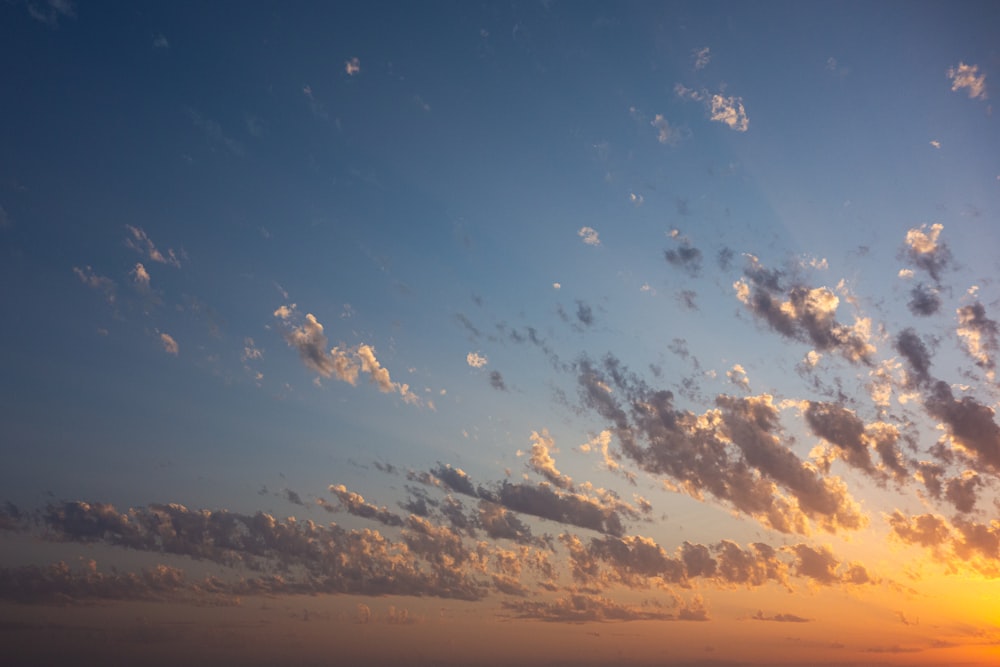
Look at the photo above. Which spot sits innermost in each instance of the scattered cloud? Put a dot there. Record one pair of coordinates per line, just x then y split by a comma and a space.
352, 66
730, 111
140, 276
169, 344
701, 58
476, 360
967, 77
665, 134
50, 12
589, 236
160, 42
138, 240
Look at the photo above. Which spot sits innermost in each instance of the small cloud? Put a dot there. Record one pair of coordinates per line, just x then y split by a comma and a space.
968, 77
160, 42
352, 66
556, 285
138, 240
935, 143
169, 344
589, 236
729, 110
701, 57
496, 381
50, 11
476, 360
905, 273
690, 94
664, 133
140, 275
635, 199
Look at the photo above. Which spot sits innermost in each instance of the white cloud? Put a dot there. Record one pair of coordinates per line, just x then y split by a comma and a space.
968, 77
738, 376
556, 285
352, 66
160, 42
635, 199
686, 93
729, 110
589, 236
476, 360
935, 143
284, 312
905, 273
169, 344
380, 375
922, 241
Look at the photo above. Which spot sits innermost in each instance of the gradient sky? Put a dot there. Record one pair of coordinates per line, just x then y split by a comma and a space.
500, 333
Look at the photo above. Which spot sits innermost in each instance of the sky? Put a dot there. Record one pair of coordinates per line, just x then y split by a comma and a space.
534, 333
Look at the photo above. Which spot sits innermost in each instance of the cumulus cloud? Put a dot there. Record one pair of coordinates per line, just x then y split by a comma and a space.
807, 314
352, 66
738, 376
923, 247
971, 424
310, 342
138, 240
730, 111
169, 344
734, 452
980, 337
355, 504
967, 77
924, 300
684, 256
476, 360
589, 236
543, 446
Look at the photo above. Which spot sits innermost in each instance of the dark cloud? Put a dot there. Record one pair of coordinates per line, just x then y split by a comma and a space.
924, 300
497, 382
779, 618
909, 345
687, 298
962, 492
970, 422
841, 427
293, 497
820, 565
584, 314
738, 455
803, 314
684, 256
10, 516
583, 608
724, 258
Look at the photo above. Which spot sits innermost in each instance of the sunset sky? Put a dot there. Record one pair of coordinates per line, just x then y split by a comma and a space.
532, 333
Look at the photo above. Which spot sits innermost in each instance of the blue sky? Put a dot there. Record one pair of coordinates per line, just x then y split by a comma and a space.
632, 285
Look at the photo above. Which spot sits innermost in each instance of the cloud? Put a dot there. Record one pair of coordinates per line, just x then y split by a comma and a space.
665, 134
686, 93
584, 608
541, 461
355, 504
734, 452
160, 42
214, 134
476, 360
980, 336
311, 343
97, 282
808, 314
925, 249
780, 618
352, 66
970, 423
169, 344
909, 344
924, 301
50, 12
380, 375
730, 111
140, 276
738, 376
589, 236
584, 313
701, 58
969, 78
138, 240
685, 257
497, 381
